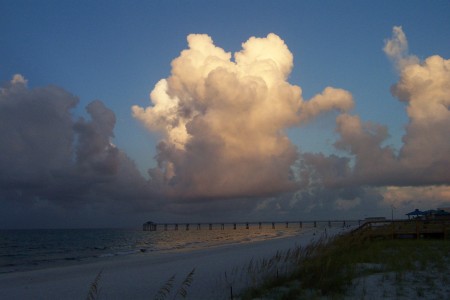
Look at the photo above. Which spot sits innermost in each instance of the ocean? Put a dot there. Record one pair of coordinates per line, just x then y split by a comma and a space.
22, 250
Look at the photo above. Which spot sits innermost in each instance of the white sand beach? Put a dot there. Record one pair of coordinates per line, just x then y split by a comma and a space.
141, 276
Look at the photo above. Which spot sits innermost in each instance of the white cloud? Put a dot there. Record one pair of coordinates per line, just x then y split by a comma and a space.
19, 79
396, 49
223, 122
421, 167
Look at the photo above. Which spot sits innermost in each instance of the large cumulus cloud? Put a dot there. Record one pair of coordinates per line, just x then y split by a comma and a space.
50, 158
223, 120
420, 170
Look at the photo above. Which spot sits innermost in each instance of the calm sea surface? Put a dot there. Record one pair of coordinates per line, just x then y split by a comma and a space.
35, 249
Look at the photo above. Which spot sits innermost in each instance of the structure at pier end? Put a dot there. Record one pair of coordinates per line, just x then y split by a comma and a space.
149, 226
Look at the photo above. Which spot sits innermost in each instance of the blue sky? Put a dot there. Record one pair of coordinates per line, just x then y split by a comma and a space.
116, 51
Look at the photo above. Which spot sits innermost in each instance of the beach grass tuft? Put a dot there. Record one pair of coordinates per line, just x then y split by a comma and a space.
182, 291
163, 293
94, 289
165, 289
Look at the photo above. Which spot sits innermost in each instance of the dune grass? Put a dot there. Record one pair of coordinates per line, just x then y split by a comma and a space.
166, 289
328, 267
94, 289
164, 292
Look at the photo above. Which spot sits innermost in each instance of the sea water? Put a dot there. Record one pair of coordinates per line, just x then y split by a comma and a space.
22, 250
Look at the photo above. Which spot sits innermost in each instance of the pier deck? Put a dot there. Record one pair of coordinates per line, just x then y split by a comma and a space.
151, 226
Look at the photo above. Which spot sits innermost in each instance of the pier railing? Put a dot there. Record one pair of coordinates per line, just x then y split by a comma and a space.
151, 226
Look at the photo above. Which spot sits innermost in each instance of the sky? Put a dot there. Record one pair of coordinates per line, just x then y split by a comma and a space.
113, 113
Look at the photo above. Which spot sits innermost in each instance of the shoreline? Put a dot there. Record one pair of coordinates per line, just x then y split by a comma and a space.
136, 246
141, 276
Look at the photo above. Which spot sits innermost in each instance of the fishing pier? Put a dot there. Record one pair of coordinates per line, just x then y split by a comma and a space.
152, 226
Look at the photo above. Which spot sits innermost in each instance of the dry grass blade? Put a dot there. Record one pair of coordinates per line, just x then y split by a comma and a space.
164, 291
182, 291
94, 290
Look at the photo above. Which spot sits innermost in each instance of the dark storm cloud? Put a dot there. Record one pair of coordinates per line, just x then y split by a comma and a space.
36, 134
49, 159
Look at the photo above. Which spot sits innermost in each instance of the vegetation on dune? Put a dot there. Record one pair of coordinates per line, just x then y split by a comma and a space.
164, 292
328, 267
166, 289
94, 289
